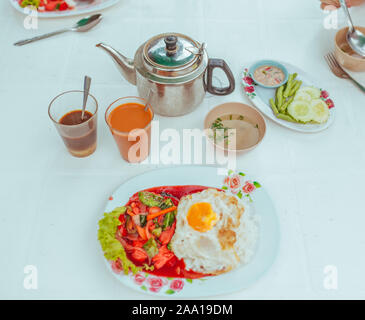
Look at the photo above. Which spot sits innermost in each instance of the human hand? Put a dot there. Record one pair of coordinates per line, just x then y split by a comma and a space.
336, 3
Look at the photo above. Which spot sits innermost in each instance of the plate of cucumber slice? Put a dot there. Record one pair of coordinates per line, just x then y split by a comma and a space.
299, 104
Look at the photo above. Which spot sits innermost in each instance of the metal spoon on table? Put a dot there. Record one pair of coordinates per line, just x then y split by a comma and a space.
87, 82
355, 38
83, 25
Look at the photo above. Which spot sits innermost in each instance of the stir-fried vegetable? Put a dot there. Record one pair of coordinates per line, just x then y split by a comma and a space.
151, 247
160, 213
150, 199
144, 229
169, 219
167, 203
143, 219
157, 232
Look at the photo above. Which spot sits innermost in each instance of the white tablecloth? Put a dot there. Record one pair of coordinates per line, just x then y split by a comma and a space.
50, 202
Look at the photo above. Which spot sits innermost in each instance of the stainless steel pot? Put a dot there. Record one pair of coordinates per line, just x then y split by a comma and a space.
175, 70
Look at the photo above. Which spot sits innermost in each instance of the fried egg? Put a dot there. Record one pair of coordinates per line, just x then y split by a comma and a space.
214, 232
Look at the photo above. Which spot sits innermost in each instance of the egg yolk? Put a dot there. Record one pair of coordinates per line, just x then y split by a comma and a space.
201, 216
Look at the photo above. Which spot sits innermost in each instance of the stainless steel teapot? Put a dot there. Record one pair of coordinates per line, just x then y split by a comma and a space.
174, 71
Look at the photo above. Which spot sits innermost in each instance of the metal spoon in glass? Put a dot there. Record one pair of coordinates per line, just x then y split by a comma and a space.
355, 38
83, 25
87, 82
149, 98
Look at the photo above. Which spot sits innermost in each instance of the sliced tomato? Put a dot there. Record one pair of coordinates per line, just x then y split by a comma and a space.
163, 256
138, 254
138, 243
63, 6
51, 6
167, 234
172, 262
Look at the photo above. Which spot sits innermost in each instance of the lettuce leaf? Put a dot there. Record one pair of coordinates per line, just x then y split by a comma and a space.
112, 248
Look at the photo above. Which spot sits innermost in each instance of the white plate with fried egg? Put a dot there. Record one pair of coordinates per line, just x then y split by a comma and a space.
243, 216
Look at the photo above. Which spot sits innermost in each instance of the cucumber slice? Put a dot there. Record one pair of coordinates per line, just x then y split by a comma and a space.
314, 92
300, 111
302, 96
320, 111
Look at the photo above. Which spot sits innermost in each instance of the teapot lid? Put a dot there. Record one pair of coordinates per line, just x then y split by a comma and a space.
173, 55
170, 50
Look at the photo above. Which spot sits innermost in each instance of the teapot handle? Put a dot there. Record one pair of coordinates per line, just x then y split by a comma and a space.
219, 63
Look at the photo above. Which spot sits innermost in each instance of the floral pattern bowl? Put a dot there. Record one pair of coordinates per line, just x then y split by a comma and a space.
237, 183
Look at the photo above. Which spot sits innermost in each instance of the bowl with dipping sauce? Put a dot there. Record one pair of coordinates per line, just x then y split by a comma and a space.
345, 55
269, 74
249, 125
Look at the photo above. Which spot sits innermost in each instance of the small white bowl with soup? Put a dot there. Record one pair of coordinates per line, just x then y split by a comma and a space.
234, 126
269, 74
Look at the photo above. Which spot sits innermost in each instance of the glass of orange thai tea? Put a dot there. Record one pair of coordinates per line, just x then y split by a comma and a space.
129, 120
79, 133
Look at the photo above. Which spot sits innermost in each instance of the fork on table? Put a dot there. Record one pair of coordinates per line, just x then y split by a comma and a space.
338, 71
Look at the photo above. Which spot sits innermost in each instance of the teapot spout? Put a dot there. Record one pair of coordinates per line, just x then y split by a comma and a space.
124, 64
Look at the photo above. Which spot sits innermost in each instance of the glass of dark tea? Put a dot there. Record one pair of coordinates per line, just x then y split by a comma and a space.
77, 132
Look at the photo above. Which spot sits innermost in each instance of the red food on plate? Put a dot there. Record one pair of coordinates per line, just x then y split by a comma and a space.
148, 222
48, 5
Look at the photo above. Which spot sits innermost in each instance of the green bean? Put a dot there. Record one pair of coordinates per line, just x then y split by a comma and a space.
286, 104
294, 83
273, 106
294, 90
279, 96
285, 117
288, 87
